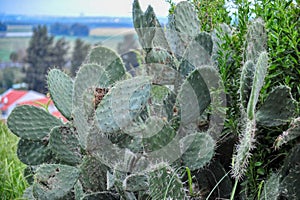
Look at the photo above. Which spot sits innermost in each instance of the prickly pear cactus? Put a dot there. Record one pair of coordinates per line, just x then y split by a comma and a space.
278, 109
284, 184
124, 133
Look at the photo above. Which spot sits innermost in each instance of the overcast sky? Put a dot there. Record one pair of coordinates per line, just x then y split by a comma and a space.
79, 7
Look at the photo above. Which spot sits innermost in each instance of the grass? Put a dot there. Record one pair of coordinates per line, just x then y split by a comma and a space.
12, 181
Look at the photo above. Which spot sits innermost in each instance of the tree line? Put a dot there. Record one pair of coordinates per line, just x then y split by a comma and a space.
76, 29
44, 52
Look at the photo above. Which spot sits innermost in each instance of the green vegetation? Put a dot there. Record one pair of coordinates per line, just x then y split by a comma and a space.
79, 53
12, 181
173, 102
9, 76
43, 54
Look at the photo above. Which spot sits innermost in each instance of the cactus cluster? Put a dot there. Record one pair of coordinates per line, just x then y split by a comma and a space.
133, 137
126, 137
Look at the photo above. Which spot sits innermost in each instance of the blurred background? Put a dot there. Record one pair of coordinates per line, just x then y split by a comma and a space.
37, 35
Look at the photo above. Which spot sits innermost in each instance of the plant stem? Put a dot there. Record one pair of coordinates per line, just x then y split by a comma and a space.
234, 189
188, 171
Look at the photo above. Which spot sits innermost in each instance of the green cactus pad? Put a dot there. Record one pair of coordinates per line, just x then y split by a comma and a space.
108, 59
213, 178
136, 182
54, 181
65, 145
169, 103
60, 86
93, 174
124, 140
260, 73
291, 182
122, 104
246, 82
292, 133
89, 76
205, 40
101, 195
28, 194
29, 172
30, 122
89, 102
197, 53
161, 74
159, 99
186, 20
197, 150
193, 97
278, 109
78, 191
272, 188
176, 40
161, 134
161, 56
164, 183
148, 28
144, 27
256, 40
33, 152
194, 57
81, 123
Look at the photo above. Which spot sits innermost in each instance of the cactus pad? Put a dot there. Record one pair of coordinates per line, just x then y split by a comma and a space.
93, 174
193, 97
292, 133
33, 152
186, 20
108, 59
197, 150
65, 145
136, 182
29, 122
54, 181
258, 81
89, 76
278, 109
246, 82
60, 87
122, 104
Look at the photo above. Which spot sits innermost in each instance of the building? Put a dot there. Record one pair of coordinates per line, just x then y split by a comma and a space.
12, 98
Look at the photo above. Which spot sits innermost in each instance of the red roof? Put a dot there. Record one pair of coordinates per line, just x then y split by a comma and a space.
59, 115
14, 97
11, 97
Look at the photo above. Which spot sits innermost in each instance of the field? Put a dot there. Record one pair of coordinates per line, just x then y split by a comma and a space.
19, 28
11, 44
109, 37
